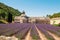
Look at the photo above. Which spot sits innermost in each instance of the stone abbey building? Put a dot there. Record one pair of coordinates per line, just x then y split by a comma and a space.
25, 19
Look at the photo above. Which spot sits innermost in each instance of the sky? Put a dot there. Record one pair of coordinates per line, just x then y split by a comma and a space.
35, 8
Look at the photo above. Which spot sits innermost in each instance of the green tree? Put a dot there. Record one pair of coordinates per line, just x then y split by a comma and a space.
9, 18
3, 15
4, 9
54, 15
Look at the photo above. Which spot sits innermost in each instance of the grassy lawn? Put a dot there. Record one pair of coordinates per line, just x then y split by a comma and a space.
3, 21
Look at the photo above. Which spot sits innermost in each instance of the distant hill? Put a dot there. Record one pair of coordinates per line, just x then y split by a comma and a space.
54, 15
4, 10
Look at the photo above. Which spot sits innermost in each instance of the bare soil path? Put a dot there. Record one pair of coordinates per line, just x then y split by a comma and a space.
28, 37
54, 36
42, 36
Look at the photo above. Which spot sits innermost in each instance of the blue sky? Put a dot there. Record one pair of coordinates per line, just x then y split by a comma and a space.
35, 7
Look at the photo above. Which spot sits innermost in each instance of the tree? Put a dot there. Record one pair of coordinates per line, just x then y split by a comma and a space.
3, 15
0, 16
23, 12
54, 15
5, 9
9, 18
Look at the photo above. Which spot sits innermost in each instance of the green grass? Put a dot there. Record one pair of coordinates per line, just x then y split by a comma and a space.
56, 24
3, 21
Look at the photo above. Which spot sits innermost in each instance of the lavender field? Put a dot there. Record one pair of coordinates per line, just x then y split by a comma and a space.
29, 31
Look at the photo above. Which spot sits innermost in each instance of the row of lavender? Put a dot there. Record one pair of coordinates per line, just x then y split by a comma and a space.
21, 30
14, 29
33, 33
47, 27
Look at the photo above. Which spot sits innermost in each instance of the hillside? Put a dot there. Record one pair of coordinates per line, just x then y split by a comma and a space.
54, 15
4, 10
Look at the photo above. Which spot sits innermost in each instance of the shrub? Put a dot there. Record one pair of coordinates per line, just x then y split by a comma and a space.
2, 22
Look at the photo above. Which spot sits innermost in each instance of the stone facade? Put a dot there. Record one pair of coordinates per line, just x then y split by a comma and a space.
21, 19
55, 20
24, 19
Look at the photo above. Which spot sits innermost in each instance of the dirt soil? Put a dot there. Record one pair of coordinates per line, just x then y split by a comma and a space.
54, 36
42, 36
28, 37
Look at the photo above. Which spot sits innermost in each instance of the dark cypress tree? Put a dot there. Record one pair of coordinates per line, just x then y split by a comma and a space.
9, 18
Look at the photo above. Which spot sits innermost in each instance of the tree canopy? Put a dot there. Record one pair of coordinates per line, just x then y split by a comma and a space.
54, 15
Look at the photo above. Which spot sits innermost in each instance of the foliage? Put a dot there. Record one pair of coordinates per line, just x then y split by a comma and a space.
54, 15
3, 21
9, 17
4, 10
56, 25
